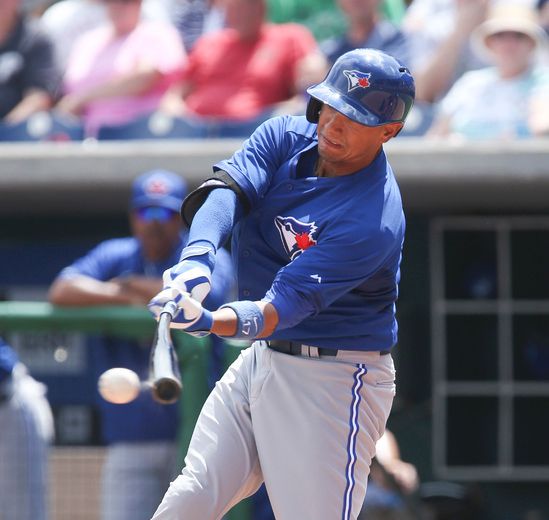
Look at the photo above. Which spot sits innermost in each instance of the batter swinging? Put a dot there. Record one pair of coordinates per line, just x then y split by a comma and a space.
317, 232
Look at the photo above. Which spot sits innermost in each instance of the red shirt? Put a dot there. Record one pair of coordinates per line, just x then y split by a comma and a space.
238, 79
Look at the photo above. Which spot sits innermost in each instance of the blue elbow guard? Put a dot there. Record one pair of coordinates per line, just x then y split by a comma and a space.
250, 321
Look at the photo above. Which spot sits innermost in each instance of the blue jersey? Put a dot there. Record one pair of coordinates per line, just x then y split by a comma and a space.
325, 251
143, 419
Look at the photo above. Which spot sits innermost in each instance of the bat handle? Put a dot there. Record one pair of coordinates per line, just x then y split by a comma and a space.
170, 308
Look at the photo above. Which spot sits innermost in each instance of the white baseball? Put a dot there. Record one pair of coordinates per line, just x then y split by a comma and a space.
119, 385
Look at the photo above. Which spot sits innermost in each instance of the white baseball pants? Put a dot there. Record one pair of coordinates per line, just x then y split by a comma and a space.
306, 425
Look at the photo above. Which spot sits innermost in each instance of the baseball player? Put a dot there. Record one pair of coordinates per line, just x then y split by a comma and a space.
317, 232
140, 435
26, 432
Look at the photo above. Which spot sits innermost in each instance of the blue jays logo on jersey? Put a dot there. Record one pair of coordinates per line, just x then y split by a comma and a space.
357, 79
296, 235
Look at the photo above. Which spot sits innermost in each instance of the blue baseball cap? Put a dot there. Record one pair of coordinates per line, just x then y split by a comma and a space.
160, 189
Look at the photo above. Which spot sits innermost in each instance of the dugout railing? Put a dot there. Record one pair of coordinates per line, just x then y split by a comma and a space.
51, 341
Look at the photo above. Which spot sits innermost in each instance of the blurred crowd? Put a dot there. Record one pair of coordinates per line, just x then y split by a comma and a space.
126, 69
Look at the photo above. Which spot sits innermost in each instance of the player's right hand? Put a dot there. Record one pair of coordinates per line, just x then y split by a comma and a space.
192, 317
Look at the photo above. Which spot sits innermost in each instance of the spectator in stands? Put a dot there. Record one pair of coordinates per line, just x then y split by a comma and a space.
28, 76
194, 18
543, 13
543, 18
64, 21
141, 457
394, 10
366, 28
439, 34
310, 70
118, 71
242, 72
323, 17
539, 105
26, 433
494, 102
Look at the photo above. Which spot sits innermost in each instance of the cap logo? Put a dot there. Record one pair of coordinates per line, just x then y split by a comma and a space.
157, 187
357, 79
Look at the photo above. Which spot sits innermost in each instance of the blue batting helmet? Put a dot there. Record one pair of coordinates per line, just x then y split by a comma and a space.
366, 85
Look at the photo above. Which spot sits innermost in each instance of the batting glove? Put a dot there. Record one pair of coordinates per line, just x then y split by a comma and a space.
192, 317
192, 275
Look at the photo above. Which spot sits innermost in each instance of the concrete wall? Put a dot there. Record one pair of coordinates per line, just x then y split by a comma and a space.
435, 177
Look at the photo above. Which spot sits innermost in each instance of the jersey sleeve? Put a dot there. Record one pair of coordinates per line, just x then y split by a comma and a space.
329, 270
253, 166
100, 263
248, 172
223, 281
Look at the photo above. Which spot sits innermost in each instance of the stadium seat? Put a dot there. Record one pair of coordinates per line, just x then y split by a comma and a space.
42, 126
153, 126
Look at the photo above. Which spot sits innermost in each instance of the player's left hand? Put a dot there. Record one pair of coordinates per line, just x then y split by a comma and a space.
186, 279
191, 316
191, 275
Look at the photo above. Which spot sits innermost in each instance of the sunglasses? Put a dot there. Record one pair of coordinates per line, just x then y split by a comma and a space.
151, 213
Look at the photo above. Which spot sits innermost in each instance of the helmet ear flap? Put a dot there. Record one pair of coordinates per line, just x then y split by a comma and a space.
313, 110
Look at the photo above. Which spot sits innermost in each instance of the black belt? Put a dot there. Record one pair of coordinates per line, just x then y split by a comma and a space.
294, 348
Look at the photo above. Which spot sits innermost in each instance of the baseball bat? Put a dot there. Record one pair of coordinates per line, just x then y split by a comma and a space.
164, 368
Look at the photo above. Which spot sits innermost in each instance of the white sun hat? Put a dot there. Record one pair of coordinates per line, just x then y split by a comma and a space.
506, 16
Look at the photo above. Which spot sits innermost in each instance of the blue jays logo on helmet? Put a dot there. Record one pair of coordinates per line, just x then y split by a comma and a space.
296, 235
367, 86
357, 79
